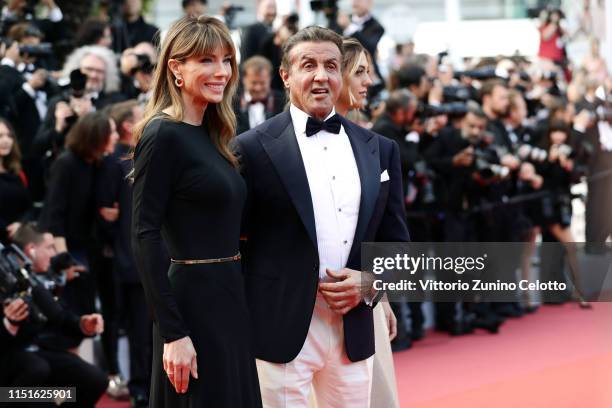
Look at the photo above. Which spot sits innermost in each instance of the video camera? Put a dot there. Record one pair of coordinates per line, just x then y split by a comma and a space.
230, 15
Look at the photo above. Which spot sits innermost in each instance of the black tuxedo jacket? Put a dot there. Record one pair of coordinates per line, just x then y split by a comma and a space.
273, 106
280, 256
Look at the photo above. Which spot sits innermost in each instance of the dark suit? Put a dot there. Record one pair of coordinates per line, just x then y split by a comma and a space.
281, 262
274, 104
252, 38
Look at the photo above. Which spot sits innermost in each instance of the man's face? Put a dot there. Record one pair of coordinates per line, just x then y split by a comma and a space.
314, 78
518, 113
133, 7
500, 101
267, 10
257, 83
195, 9
42, 253
95, 70
473, 127
361, 7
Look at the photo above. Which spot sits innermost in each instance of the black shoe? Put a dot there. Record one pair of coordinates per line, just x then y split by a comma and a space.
488, 323
508, 310
455, 327
139, 401
417, 334
401, 344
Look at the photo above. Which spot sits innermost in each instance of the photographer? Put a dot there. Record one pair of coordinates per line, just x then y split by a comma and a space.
30, 100
469, 168
26, 357
51, 136
395, 123
137, 65
131, 28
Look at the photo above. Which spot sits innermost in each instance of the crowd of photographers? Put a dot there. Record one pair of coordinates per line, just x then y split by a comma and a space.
489, 153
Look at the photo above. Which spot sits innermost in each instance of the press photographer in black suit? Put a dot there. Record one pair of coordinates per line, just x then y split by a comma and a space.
27, 357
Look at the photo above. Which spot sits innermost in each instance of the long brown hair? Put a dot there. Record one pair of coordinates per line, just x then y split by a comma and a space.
189, 37
12, 162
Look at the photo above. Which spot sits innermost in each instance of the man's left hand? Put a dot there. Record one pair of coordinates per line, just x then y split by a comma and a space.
347, 292
92, 324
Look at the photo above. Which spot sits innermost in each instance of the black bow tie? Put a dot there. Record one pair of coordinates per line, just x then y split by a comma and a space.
331, 125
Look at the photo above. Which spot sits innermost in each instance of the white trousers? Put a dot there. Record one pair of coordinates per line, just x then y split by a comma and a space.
322, 366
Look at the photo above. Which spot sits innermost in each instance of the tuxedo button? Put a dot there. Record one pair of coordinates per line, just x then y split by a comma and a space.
345, 242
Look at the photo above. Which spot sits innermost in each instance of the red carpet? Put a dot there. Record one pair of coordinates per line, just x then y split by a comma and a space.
560, 357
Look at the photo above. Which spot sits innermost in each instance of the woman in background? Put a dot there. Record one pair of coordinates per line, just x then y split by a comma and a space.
15, 202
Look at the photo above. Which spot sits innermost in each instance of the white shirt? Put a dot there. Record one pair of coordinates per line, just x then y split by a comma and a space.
257, 111
335, 189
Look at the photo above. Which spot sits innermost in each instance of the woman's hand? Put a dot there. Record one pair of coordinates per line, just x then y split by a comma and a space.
390, 319
179, 361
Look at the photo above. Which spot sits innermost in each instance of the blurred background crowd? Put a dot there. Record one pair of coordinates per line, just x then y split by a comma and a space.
497, 146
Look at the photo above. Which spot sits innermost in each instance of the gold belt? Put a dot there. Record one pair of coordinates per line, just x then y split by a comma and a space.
205, 261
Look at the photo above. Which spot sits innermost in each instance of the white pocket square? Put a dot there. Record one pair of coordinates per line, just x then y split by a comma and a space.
384, 176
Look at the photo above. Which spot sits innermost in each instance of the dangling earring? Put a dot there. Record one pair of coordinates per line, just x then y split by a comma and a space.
178, 82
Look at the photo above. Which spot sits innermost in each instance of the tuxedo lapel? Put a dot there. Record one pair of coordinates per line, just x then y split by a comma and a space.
365, 150
280, 143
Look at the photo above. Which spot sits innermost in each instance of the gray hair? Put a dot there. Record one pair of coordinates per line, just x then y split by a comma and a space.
111, 81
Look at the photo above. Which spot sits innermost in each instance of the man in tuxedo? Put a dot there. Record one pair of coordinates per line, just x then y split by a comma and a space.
318, 186
257, 101
254, 34
364, 27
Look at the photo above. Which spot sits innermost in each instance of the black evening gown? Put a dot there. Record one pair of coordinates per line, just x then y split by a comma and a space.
188, 203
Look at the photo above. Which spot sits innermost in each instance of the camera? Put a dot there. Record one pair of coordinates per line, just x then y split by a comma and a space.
143, 64
485, 161
230, 15
481, 74
321, 5
458, 93
18, 281
535, 154
39, 51
453, 109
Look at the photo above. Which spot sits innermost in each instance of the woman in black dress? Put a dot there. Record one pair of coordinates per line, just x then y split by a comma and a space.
556, 213
15, 201
69, 211
187, 205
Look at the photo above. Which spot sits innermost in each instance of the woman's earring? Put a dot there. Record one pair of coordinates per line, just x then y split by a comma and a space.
178, 82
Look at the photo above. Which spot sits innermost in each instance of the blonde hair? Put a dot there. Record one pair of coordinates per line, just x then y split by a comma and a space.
186, 38
351, 53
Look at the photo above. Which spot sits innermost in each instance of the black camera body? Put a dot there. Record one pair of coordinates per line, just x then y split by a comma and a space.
38, 51
18, 282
